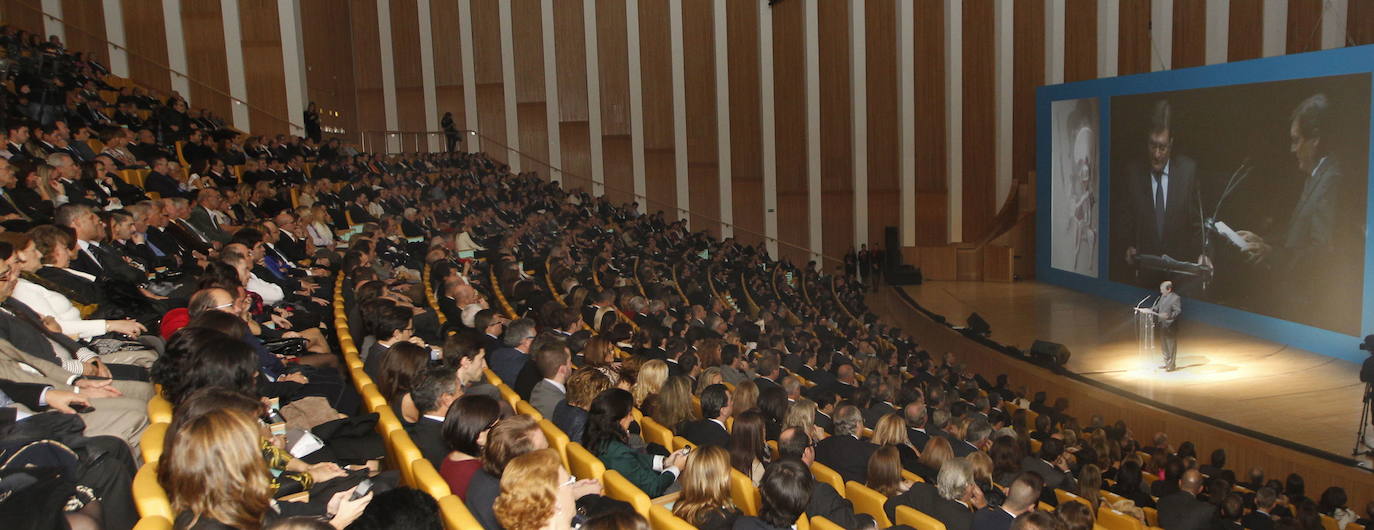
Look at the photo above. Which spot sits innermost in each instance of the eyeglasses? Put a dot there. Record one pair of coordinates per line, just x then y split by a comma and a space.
223, 306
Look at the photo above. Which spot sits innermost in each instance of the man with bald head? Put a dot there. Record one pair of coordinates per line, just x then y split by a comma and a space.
1022, 497
1182, 510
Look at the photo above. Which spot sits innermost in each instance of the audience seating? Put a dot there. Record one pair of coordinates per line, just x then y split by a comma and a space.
150, 445
616, 486
1064, 496
829, 476
153, 522
558, 440
868, 501
1114, 520
149, 497
427, 479
917, 519
662, 519
652, 432
821, 523
583, 463
744, 494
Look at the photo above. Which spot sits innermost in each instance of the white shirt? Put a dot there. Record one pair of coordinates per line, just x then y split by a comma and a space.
557, 385
271, 293
49, 303
1161, 180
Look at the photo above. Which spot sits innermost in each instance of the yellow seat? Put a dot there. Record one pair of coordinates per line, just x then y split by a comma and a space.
1065, 496
829, 476
159, 410
456, 514
373, 399
360, 377
912, 477
388, 422
821, 523
427, 479
524, 407
744, 494
1114, 520
680, 442
508, 394
802, 522
583, 463
655, 433
868, 500
1329, 523
639, 416
149, 497
153, 523
150, 444
1152, 516
620, 488
558, 440
917, 519
662, 519
491, 376
406, 454
1035, 446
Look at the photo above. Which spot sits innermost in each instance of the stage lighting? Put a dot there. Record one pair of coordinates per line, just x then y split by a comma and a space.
978, 326
1052, 355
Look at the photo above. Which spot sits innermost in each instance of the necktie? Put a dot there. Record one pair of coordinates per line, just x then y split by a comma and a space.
156, 251
1159, 205
90, 253
12, 204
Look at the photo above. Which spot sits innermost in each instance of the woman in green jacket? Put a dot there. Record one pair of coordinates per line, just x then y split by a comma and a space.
607, 438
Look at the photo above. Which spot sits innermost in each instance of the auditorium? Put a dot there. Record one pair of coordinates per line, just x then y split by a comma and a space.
674, 264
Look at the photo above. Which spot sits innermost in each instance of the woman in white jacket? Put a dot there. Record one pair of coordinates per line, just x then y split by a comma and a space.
50, 303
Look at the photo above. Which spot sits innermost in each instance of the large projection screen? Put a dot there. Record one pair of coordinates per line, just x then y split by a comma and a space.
1246, 184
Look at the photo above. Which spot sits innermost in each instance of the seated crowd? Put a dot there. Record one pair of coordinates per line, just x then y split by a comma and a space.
216, 283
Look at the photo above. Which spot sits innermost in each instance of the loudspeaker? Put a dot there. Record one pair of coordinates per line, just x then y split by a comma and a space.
978, 326
1049, 354
892, 255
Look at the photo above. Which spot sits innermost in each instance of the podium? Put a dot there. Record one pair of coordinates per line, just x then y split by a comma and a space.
1145, 322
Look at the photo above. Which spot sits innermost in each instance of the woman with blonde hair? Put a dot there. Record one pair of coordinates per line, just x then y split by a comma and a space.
708, 377
802, 414
1090, 485
648, 383
705, 498
674, 403
535, 493
891, 430
936, 452
746, 397
885, 472
982, 477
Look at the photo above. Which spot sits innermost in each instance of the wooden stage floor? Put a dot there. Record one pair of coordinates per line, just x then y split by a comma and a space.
1288, 393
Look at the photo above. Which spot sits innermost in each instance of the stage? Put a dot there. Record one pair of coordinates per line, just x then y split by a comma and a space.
1289, 394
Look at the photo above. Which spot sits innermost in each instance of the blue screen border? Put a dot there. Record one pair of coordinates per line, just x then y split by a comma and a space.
1341, 61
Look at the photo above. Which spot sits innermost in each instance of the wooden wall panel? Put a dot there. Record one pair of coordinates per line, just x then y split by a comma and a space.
1080, 41
1190, 33
26, 15
930, 144
746, 146
145, 32
789, 109
837, 132
367, 71
531, 108
1245, 31
656, 77
448, 60
410, 84
328, 41
1029, 72
980, 119
1304, 26
491, 96
884, 162
203, 25
1133, 48
703, 168
613, 56
1360, 24
84, 24
262, 66
571, 52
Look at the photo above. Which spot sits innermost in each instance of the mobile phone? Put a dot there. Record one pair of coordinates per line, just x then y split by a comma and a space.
82, 408
361, 491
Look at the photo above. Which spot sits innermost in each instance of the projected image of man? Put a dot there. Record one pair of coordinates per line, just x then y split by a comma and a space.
1162, 203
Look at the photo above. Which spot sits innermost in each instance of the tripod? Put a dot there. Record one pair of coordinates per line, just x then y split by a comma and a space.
1362, 445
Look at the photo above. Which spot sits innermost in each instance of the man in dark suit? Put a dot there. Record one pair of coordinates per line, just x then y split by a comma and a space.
506, 362
881, 406
92, 256
845, 383
1182, 510
203, 215
160, 181
825, 406
1159, 213
1261, 517
825, 501
1049, 464
1022, 496
845, 452
769, 370
290, 246
951, 500
434, 391
716, 405
1166, 311
915, 413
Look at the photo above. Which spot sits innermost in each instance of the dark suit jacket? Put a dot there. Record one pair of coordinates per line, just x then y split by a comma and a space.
825, 422
506, 363
754, 523
704, 433
826, 502
1134, 225
571, 420
847, 455
876, 412
1054, 478
918, 438
992, 518
1182, 511
165, 185
1257, 521
428, 435
956, 516
482, 492
921, 496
